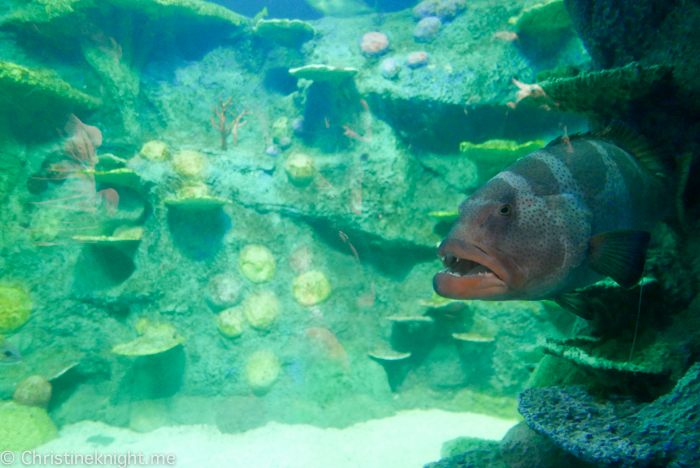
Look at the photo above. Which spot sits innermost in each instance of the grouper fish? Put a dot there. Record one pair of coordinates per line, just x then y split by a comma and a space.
561, 218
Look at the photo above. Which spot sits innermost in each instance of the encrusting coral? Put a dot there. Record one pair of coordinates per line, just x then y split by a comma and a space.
262, 371
257, 263
15, 308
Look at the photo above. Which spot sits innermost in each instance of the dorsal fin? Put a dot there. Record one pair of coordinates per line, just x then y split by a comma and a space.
655, 158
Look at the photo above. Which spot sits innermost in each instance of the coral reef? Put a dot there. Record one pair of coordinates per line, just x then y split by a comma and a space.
619, 433
76, 25
47, 95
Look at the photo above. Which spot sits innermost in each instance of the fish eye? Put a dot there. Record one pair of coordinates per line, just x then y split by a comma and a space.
505, 210
8, 353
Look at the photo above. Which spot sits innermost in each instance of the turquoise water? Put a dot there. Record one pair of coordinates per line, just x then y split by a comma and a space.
215, 217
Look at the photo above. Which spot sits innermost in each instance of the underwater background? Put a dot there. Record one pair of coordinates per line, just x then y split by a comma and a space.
222, 218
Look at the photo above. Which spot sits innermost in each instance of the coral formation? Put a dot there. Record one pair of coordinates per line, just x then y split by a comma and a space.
33, 391
374, 44
262, 371
156, 151
280, 129
189, 163
322, 72
311, 287
260, 309
257, 263
289, 33
117, 63
300, 169
230, 322
224, 291
443, 9
194, 196
390, 68
417, 59
15, 308
154, 338
24, 427
492, 156
42, 93
427, 29
620, 432
604, 94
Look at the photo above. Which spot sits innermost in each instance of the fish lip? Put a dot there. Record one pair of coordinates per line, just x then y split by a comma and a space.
491, 284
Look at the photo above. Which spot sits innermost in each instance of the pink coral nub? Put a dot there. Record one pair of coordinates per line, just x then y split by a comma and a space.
374, 44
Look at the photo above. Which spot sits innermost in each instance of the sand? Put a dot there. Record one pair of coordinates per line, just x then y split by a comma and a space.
408, 439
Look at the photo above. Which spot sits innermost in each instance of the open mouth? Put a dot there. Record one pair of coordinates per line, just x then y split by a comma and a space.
463, 267
470, 272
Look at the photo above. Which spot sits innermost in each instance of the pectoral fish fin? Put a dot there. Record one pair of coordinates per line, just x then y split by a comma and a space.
619, 254
574, 302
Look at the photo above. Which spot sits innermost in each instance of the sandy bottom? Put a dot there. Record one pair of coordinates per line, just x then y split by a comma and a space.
408, 439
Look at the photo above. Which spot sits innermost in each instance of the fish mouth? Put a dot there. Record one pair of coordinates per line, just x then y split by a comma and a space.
471, 272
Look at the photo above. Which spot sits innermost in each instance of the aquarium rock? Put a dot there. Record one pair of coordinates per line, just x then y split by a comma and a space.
620, 433
374, 44
390, 68
427, 29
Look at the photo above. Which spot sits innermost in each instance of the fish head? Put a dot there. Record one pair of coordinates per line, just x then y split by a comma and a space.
509, 243
8, 353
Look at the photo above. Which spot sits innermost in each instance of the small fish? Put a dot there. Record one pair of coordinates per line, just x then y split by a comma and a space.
558, 219
8, 353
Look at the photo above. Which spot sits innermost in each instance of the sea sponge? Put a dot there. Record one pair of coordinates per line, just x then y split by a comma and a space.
33, 391
24, 427
311, 288
230, 322
427, 29
155, 151
300, 169
15, 308
260, 309
189, 163
257, 263
262, 371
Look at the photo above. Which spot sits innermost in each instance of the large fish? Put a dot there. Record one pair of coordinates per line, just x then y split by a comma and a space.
558, 219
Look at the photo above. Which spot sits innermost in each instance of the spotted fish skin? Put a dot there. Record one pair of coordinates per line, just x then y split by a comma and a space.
558, 219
